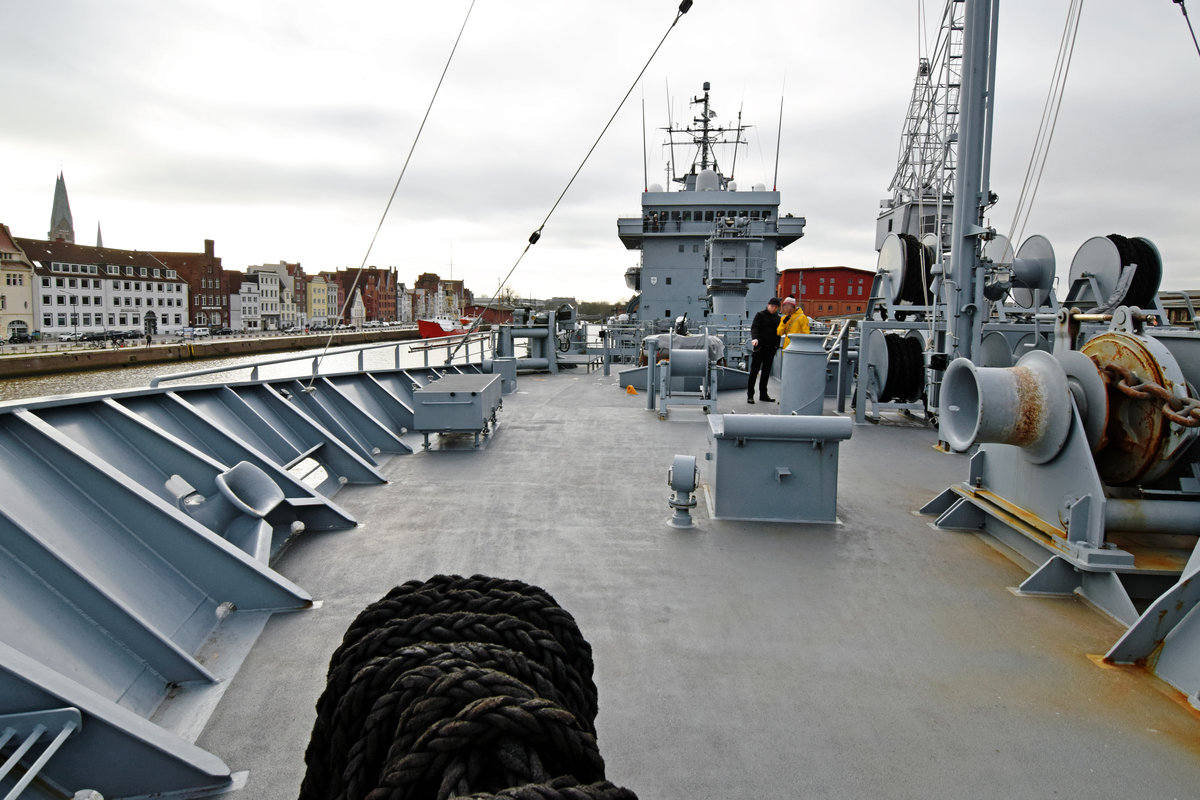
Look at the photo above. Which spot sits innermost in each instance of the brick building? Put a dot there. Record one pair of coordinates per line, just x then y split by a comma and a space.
202, 271
827, 291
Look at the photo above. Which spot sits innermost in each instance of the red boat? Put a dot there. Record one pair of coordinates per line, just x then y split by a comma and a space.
436, 327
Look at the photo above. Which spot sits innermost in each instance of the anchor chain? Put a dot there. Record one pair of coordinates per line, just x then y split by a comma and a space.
1183, 411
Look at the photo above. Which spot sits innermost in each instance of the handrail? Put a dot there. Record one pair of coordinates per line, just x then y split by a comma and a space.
361, 350
33, 727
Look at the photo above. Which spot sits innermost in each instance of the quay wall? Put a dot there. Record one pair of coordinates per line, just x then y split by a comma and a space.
81, 358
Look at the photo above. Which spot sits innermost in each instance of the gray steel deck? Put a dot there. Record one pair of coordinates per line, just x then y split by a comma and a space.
875, 658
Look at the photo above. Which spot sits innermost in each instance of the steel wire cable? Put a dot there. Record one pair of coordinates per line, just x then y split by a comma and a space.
684, 6
396, 187
1047, 124
1188, 20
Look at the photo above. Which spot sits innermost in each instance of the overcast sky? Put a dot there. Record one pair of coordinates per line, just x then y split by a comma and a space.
278, 128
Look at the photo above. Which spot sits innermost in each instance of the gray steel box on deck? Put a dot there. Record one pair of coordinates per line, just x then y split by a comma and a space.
458, 403
775, 468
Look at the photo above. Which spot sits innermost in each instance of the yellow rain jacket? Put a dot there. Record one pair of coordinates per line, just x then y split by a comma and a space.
795, 322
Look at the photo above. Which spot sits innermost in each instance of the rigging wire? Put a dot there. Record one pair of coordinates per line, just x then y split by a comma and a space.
396, 187
1183, 8
1045, 132
684, 6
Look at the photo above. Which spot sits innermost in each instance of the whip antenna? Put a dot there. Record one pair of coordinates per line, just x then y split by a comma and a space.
778, 137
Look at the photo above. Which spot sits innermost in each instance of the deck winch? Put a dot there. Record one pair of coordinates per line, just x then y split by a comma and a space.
682, 370
1088, 466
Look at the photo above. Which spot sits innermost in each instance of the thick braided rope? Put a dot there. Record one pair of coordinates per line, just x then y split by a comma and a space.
534, 643
359, 772
563, 787
480, 583
367, 619
433, 599
489, 744
336, 731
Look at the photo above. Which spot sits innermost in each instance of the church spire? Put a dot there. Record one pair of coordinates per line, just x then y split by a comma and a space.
99, 240
61, 225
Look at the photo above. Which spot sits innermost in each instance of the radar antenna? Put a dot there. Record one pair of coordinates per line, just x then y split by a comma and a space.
704, 136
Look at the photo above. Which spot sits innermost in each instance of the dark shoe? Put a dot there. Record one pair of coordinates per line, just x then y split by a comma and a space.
766, 399
750, 400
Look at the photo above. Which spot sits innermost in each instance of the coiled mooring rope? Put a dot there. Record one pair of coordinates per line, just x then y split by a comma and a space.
459, 686
365, 746
464, 626
478, 594
562, 788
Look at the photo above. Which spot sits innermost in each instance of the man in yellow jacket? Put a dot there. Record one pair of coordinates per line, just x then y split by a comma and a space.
792, 319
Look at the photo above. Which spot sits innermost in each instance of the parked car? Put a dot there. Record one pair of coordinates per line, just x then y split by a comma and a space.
293, 329
20, 338
223, 331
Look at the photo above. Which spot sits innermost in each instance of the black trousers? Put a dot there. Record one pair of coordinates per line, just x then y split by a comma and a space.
760, 367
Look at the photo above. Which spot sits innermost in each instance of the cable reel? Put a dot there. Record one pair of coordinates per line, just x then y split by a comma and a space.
908, 265
1114, 270
899, 365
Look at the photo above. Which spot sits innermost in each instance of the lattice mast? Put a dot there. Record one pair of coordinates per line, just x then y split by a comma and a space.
927, 161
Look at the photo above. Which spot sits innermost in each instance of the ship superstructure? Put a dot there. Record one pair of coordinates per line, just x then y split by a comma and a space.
708, 242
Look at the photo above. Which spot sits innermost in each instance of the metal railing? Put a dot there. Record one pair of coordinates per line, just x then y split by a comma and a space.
475, 345
32, 727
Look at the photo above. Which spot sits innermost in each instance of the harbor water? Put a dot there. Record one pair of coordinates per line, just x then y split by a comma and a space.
271, 365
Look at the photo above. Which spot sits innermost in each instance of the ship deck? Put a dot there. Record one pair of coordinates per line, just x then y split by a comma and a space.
876, 657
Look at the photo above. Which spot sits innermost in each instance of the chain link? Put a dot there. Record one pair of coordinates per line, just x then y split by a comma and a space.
1183, 411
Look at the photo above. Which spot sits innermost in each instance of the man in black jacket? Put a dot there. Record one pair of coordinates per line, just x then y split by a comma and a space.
764, 338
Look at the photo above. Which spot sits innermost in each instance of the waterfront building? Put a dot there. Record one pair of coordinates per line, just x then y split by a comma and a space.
244, 301
403, 312
828, 291
358, 310
333, 300
203, 273
433, 296
270, 306
377, 288
80, 289
284, 303
16, 287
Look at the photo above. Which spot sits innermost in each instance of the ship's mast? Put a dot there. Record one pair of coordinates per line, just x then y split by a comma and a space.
704, 135
972, 195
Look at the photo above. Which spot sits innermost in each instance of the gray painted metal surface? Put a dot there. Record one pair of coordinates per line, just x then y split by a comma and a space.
802, 373
136, 538
775, 468
876, 658
456, 404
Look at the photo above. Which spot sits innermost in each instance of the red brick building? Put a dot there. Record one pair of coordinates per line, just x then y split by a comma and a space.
206, 285
828, 291
377, 288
